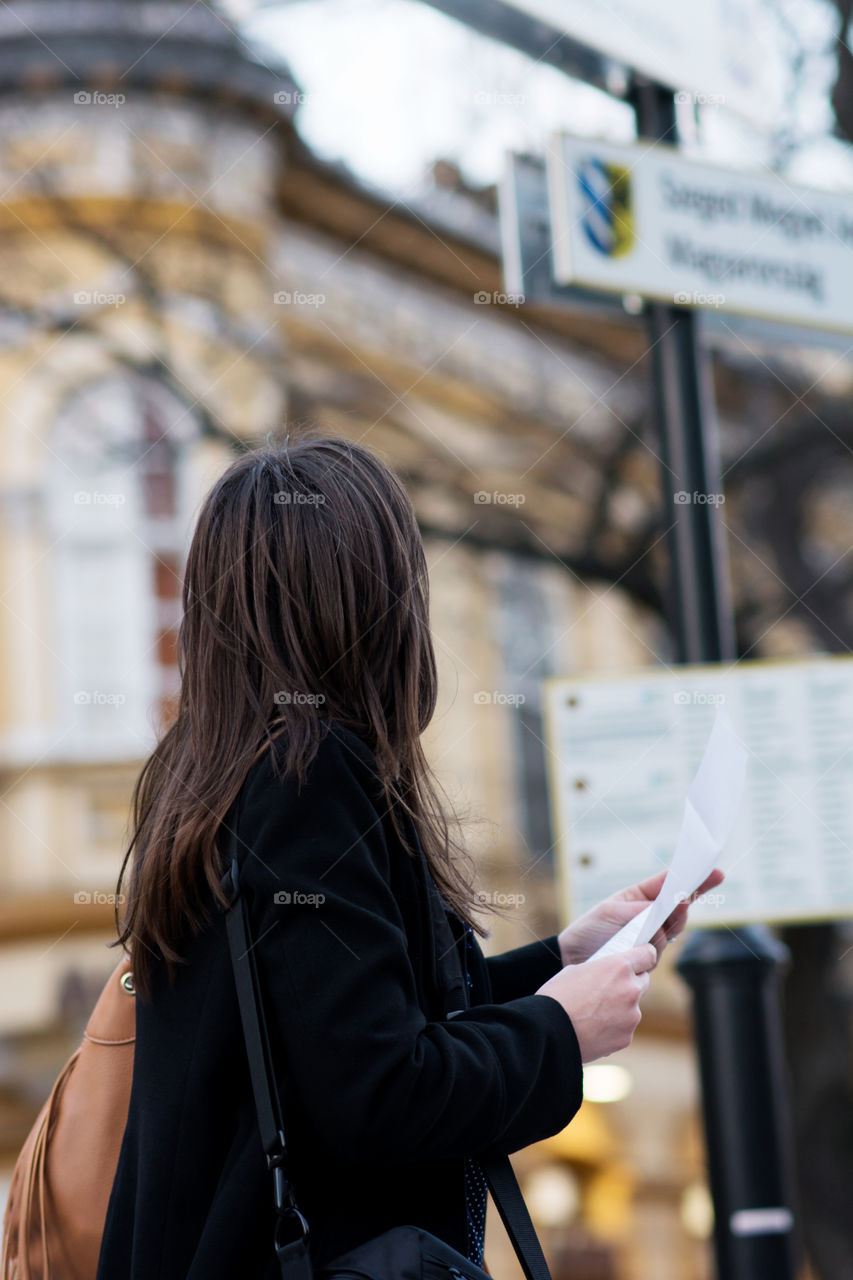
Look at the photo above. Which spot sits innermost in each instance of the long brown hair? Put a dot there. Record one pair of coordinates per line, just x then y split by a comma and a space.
305, 599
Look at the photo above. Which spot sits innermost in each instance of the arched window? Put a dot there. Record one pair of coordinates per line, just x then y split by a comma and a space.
118, 512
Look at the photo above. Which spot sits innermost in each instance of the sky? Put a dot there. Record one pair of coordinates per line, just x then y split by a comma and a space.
390, 85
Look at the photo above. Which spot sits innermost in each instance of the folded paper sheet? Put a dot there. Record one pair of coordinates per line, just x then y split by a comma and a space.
710, 813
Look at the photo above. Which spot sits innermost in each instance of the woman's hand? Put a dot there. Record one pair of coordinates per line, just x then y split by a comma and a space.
584, 936
602, 998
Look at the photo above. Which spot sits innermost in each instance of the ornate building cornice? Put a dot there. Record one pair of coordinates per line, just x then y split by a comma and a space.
127, 45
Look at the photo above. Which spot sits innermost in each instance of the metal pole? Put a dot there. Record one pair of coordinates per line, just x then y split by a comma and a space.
735, 975
700, 602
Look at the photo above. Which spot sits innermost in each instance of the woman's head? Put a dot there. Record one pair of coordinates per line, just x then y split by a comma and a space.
306, 596
305, 599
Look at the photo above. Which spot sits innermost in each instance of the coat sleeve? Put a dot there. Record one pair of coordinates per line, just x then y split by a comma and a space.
377, 1080
521, 971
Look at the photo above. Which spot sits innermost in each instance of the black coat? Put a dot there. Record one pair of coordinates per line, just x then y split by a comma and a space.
383, 1099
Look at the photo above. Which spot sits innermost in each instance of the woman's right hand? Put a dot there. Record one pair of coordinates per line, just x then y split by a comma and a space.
602, 998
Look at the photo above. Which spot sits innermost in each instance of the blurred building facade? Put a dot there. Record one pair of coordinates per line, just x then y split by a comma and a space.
179, 277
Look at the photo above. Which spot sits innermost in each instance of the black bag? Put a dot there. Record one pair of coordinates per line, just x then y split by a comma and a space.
403, 1253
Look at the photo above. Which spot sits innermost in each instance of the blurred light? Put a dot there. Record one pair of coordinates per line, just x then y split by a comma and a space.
589, 1138
633, 303
609, 1202
606, 1083
697, 1211
552, 1195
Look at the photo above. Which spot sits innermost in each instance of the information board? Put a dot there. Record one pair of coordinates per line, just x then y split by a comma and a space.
622, 754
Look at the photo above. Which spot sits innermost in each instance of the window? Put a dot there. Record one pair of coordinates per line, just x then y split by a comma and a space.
117, 504
527, 636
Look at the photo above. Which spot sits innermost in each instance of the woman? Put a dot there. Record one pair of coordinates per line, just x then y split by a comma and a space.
308, 677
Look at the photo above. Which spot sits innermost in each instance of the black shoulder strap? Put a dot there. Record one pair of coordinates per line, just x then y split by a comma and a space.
509, 1203
291, 1235
291, 1229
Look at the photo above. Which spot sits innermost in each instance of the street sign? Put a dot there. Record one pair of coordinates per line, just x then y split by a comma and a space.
527, 271
623, 751
643, 219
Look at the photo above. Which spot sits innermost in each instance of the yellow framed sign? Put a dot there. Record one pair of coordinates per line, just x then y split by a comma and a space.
622, 752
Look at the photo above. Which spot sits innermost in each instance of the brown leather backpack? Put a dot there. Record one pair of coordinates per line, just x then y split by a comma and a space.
62, 1180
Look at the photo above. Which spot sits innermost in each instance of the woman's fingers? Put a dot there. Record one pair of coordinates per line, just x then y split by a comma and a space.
639, 895
660, 941
642, 958
646, 891
716, 877
678, 918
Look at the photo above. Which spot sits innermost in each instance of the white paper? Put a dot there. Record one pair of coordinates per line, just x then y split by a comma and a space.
710, 813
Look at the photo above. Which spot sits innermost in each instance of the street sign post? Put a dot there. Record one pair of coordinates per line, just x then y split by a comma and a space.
735, 976
736, 981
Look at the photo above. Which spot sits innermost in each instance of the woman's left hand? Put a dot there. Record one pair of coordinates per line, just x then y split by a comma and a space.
584, 936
